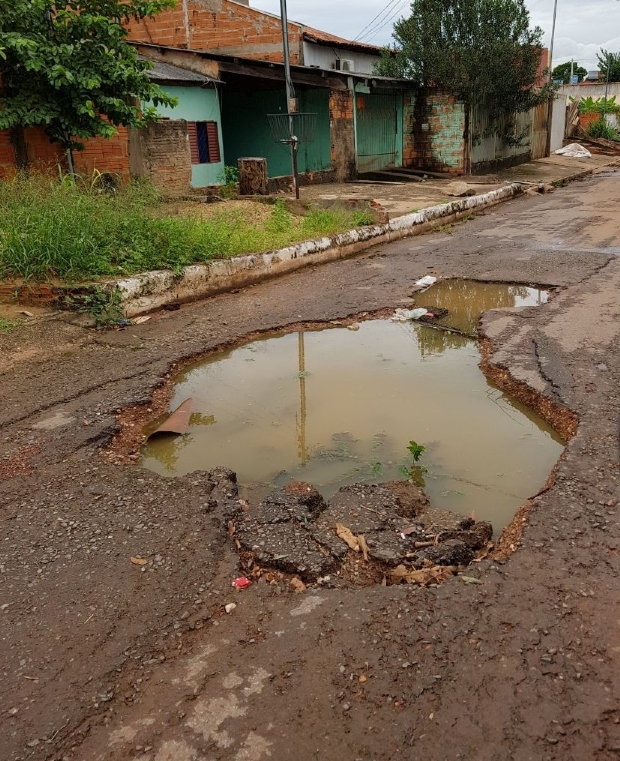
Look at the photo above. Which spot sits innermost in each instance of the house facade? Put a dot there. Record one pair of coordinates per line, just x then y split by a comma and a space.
230, 27
223, 62
358, 117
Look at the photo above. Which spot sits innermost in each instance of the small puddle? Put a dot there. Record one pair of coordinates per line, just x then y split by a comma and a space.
339, 406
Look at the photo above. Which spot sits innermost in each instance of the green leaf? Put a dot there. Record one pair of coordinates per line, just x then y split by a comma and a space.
71, 70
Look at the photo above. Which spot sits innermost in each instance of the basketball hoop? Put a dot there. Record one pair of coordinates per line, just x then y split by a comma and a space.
292, 128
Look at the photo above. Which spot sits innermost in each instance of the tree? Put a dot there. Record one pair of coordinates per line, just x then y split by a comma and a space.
68, 68
609, 62
563, 72
483, 51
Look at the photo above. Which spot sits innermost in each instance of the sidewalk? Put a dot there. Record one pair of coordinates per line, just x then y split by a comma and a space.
413, 208
403, 198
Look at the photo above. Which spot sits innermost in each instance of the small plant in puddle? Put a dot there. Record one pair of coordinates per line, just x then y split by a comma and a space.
415, 472
376, 468
416, 450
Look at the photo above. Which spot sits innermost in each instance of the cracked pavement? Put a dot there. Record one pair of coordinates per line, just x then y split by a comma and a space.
105, 659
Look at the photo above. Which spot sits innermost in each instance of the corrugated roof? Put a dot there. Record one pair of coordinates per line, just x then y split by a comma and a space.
316, 35
166, 72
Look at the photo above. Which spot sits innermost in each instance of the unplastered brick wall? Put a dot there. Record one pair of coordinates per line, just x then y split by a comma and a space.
109, 156
220, 26
99, 154
409, 146
42, 155
438, 133
161, 151
342, 134
7, 154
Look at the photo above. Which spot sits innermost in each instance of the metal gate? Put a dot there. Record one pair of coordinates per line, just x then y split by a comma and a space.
376, 126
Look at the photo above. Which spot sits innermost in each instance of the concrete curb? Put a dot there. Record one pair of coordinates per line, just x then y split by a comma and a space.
152, 290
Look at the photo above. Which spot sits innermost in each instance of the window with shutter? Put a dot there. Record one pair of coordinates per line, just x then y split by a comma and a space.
204, 143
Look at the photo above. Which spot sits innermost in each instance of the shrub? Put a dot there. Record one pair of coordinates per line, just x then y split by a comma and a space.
602, 129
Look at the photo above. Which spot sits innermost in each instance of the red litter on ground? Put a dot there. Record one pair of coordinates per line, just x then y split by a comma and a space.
242, 582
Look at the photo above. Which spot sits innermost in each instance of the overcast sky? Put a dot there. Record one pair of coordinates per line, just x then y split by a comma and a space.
583, 27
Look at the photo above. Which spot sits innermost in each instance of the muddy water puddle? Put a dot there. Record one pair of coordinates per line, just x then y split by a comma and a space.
338, 406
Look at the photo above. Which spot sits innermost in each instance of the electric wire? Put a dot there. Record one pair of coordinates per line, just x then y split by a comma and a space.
372, 21
370, 36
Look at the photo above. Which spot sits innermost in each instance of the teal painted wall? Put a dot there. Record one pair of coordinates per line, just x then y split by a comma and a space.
247, 133
378, 128
198, 104
446, 123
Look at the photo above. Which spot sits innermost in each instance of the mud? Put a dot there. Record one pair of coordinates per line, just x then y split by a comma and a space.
105, 659
295, 531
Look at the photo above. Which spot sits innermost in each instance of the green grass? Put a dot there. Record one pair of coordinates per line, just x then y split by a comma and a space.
7, 325
72, 232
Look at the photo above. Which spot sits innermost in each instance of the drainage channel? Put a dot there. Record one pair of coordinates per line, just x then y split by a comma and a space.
341, 405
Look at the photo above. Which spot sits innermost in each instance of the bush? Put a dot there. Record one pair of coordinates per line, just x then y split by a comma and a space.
602, 129
598, 105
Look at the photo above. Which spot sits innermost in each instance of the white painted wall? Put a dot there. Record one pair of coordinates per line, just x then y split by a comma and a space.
325, 57
558, 123
593, 91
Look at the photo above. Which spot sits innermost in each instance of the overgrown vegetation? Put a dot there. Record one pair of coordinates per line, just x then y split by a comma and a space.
229, 177
598, 105
104, 305
483, 51
76, 230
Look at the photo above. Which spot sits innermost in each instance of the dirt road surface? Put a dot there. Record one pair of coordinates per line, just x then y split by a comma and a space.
101, 658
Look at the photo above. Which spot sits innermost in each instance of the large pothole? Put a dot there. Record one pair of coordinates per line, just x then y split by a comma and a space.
340, 406
373, 452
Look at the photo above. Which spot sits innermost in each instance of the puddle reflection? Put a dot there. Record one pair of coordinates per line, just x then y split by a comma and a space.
337, 406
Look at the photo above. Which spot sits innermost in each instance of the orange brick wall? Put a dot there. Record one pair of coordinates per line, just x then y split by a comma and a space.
41, 153
220, 26
104, 155
7, 155
342, 134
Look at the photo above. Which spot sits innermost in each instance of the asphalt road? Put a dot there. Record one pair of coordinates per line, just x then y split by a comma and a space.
106, 659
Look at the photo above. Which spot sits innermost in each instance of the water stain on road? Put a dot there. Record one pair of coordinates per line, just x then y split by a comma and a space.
339, 406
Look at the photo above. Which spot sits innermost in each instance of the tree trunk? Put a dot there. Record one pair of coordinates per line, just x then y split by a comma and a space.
18, 139
252, 176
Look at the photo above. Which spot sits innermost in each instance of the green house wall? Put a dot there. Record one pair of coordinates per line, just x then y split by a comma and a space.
198, 104
247, 133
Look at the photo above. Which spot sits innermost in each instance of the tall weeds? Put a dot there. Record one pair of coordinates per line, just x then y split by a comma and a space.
74, 231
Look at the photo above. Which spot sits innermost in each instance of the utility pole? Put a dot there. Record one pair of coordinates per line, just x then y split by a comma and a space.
555, 12
291, 100
549, 80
